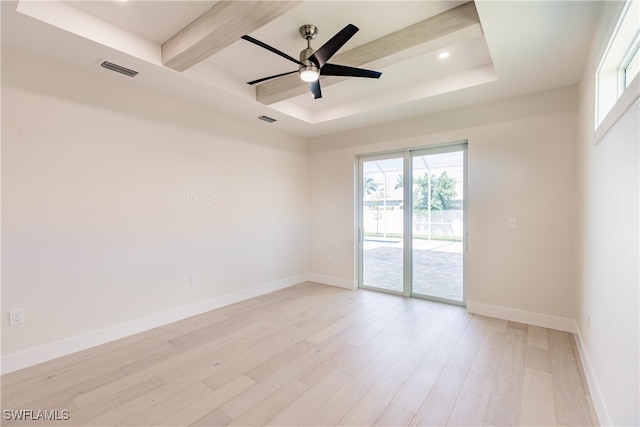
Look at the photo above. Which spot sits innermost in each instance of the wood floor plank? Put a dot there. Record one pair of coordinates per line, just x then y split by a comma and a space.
198, 365
139, 404
112, 388
431, 331
281, 359
317, 355
500, 325
199, 409
274, 403
538, 358
216, 418
438, 354
285, 336
164, 409
59, 391
363, 355
471, 406
443, 395
415, 390
84, 371
242, 403
375, 327
369, 408
570, 396
315, 396
394, 416
407, 363
537, 405
320, 370
116, 400
333, 329
504, 404
537, 337
77, 361
489, 355
337, 406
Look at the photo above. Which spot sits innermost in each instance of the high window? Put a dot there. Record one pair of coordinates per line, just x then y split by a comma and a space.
618, 69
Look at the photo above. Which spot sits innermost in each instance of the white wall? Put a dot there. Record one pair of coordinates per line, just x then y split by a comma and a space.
610, 268
97, 226
521, 163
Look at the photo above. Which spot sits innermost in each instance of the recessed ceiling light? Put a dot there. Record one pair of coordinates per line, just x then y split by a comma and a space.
443, 55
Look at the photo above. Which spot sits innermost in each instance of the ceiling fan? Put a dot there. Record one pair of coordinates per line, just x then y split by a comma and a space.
313, 63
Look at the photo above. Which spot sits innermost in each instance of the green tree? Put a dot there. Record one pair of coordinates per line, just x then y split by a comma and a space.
400, 181
369, 185
443, 190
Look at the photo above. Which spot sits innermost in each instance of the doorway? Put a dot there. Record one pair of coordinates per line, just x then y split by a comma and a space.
412, 223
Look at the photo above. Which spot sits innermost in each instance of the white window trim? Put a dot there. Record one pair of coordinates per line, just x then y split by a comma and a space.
610, 74
622, 105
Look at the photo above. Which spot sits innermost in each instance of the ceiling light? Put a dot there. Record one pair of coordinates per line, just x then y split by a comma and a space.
309, 74
443, 55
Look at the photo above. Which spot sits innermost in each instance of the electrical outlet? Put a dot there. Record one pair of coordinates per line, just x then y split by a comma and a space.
16, 317
513, 223
194, 279
193, 198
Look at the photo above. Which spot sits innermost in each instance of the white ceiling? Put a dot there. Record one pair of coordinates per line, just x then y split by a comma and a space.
527, 46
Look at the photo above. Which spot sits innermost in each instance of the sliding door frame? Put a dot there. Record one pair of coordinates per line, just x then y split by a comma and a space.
407, 239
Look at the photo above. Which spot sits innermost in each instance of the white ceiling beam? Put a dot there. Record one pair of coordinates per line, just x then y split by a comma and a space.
446, 29
218, 28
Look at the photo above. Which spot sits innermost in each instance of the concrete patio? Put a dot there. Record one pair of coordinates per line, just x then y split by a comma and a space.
437, 267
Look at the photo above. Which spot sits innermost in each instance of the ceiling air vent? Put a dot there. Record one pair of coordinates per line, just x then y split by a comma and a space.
267, 119
118, 69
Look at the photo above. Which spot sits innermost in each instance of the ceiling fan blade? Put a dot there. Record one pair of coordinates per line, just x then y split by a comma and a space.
322, 55
315, 89
272, 49
271, 77
344, 71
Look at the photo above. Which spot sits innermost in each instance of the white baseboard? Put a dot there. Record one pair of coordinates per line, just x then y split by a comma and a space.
592, 382
530, 318
333, 281
33, 356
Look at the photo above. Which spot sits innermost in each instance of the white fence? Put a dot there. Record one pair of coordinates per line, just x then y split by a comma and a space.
442, 224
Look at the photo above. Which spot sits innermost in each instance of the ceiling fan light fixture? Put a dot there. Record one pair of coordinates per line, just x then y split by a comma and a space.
312, 62
309, 74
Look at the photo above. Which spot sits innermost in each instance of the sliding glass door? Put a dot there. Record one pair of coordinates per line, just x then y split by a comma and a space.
438, 225
413, 223
382, 223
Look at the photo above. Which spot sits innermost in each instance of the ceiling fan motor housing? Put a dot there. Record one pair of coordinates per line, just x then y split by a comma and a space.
305, 54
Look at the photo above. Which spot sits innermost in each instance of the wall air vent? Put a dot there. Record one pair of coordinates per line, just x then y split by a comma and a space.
118, 69
267, 119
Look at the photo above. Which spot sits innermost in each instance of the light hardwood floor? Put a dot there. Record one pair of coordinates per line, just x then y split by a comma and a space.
317, 355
